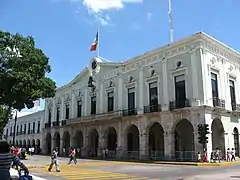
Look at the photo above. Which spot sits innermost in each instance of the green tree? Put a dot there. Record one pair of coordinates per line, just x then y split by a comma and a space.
23, 69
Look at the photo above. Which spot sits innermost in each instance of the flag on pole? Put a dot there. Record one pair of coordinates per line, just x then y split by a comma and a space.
95, 43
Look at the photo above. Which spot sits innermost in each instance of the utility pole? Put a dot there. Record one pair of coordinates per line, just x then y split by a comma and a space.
14, 128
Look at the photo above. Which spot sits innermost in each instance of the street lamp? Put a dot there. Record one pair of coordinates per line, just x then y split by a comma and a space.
14, 128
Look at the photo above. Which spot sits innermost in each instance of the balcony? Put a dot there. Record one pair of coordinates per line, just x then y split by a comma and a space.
152, 108
235, 106
64, 122
218, 102
47, 125
56, 123
177, 105
130, 112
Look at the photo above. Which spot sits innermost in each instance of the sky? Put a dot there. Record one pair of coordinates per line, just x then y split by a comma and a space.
65, 29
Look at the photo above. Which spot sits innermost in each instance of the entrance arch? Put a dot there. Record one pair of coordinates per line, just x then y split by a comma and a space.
49, 143
78, 141
156, 141
236, 141
38, 146
17, 143
133, 142
57, 140
184, 141
111, 139
33, 144
20, 143
28, 144
66, 142
24, 143
94, 143
218, 139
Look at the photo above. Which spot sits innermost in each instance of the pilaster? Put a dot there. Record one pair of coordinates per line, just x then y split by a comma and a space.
86, 102
120, 93
140, 89
53, 110
62, 111
100, 101
143, 138
165, 99
73, 106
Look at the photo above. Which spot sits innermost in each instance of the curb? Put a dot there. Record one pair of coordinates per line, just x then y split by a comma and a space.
197, 164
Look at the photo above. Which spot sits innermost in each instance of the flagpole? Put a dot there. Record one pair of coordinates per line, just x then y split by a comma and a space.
98, 31
170, 19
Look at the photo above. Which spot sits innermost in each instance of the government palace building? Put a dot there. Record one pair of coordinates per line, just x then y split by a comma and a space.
151, 106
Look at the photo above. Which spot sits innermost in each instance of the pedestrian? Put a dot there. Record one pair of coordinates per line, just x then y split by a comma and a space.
228, 154
72, 156
7, 159
233, 155
54, 160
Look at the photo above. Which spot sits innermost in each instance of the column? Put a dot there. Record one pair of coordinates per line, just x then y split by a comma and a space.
209, 145
165, 101
143, 138
85, 148
100, 99
195, 97
140, 89
73, 106
85, 102
168, 145
53, 110
120, 93
62, 117
120, 141
45, 113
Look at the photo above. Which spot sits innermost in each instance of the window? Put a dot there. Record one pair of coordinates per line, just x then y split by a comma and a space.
67, 111
110, 101
79, 109
131, 101
29, 127
11, 131
25, 128
7, 133
38, 128
93, 105
21, 129
17, 129
33, 127
58, 114
180, 91
214, 83
153, 94
49, 117
232, 94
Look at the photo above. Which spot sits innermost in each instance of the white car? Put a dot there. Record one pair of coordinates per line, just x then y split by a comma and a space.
15, 175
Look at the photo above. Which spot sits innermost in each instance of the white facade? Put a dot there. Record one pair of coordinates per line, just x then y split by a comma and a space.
28, 130
170, 131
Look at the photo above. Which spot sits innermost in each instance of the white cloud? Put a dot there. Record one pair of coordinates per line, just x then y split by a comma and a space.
101, 5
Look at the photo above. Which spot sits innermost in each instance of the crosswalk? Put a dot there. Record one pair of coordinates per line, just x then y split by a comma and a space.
82, 172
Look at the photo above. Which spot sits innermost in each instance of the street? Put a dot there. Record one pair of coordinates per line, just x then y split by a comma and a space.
94, 169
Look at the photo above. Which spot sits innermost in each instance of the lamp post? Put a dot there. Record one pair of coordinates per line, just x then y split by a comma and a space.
14, 128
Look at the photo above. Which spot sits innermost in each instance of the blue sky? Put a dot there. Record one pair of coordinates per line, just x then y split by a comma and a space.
65, 29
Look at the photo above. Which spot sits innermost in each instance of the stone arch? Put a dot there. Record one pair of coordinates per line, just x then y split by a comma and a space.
78, 139
57, 140
218, 133
156, 141
94, 142
236, 141
133, 142
20, 143
111, 139
33, 143
66, 142
17, 143
49, 143
184, 141
24, 143
38, 143
28, 143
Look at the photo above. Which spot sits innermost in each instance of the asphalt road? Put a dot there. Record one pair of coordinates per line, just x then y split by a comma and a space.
151, 171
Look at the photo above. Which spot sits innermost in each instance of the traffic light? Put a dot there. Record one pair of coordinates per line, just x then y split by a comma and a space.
206, 128
200, 132
203, 130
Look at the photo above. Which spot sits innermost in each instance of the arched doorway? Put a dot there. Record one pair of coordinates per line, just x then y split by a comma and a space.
49, 143
20, 143
111, 139
156, 142
78, 144
218, 138
33, 144
184, 141
24, 143
133, 142
66, 143
94, 143
236, 140
28, 144
17, 143
57, 140
38, 146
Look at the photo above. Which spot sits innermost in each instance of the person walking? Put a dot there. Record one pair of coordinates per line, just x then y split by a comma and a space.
233, 155
72, 156
228, 154
54, 160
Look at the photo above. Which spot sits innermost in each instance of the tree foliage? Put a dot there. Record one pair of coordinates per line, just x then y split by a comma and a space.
23, 69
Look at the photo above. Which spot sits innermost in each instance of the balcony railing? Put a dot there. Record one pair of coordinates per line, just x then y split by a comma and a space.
130, 112
235, 106
64, 122
152, 108
218, 102
178, 105
56, 123
47, 125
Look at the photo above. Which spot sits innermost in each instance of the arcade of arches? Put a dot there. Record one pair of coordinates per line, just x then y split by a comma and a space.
29, 143
155, 141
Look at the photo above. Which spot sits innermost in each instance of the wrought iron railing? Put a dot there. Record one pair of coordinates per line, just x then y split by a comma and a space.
218, 102
130, 112
178, 105
152, 108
